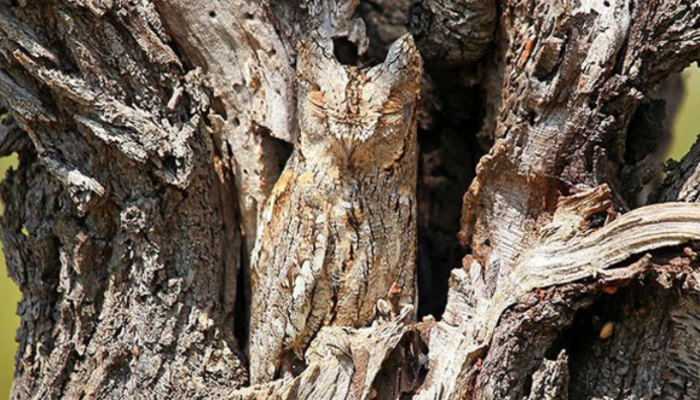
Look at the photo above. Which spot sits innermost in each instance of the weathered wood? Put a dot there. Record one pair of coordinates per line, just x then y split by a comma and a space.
151, 134
116, 226
452, 32
248, 69
566, 97
565, 251
551, 381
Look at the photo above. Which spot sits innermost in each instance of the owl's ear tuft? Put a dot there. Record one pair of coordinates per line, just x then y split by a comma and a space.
403, 53
403, 66
315, 55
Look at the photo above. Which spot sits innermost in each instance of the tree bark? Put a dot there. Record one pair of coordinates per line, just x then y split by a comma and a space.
151, 133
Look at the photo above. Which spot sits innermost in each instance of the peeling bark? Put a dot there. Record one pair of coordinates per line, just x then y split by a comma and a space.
151, 134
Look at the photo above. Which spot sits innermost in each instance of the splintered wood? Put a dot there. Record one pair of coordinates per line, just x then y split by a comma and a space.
168, 247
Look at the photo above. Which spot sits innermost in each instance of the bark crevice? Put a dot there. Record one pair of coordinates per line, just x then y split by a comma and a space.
150, 134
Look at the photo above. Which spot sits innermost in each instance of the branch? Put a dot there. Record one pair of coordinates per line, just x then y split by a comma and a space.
557, 125
565, 251
571, 80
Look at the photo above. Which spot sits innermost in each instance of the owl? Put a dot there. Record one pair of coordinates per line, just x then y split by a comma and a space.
339, 227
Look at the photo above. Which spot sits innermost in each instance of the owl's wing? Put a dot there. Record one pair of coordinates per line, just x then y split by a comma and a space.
288, 270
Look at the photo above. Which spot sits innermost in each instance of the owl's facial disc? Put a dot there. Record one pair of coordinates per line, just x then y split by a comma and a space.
346, 110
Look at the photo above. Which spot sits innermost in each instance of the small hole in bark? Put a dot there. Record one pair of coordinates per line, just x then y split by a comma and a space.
527, 386
284, 151
597, 220
531, 117
280, 150
212, 14
606, 3
9, 163
248, 15
345, 51
236, 121
171, 163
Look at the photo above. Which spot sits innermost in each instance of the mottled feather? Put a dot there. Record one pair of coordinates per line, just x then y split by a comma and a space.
339, 226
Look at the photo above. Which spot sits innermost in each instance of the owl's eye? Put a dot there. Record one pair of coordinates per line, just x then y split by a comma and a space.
392, 105
316, 96
317, 102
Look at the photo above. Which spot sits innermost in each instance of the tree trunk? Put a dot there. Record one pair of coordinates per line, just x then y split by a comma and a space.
150, 135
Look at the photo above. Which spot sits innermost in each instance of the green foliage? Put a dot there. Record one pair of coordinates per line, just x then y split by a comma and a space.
687, 124
9, 321
9, 296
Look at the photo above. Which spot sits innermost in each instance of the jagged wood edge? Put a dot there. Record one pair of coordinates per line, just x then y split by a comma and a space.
674, 223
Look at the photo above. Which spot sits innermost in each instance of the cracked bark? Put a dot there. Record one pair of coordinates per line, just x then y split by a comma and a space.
150, 134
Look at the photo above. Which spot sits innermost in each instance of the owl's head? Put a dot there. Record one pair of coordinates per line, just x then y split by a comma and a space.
359, 117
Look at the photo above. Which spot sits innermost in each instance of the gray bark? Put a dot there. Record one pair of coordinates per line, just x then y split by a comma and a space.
151, 133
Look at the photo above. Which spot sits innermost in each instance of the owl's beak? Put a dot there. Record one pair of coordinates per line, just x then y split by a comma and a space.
348, 149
